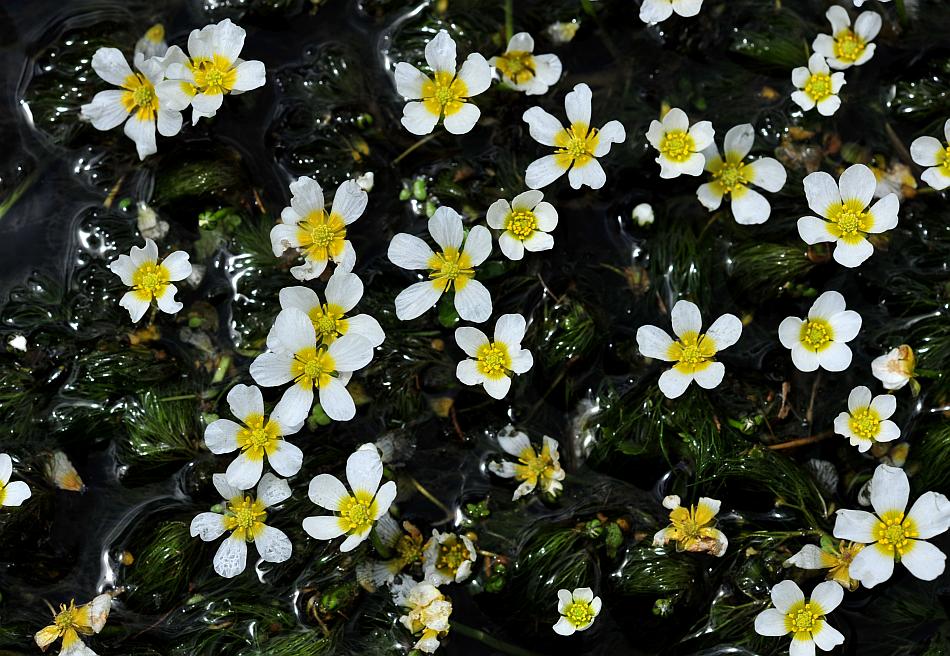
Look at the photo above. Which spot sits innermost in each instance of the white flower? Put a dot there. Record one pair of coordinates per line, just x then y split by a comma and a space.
578, 610
150, 280
561, 32
893, 536
846, 216
60, 470
692, 528
11, 493
836, 558
524, 70
428, 614
928, 151
895, 368
866, 420
643, 214
526, 222
533, 468
452, 268
578, 147
817, 85
693, 352
491, 363
357, 512
680, 146
804, 619
656, 11
212, 70
318, 236
448, 558
731, 177
821, 339
244, 517
152, 43
845, 47
136, 104
73, 621
858, 3
257, 437
444, 95
294, 356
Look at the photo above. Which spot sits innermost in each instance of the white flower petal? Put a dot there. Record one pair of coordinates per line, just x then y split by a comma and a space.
890, 490
272, 490
227, 39
767, 173
686, 318
244, 472
409, 81
142, 132
710, 376
470, 339
654, 343
786, 594
323, 527
409, 252
207, 526
245, 400
478, 245
510, 247
521, 361
836, 357
366, 327
543, 171
336, 401
924, 560
827, 637
591, 174
822, 193
828, 595
738, 141
538, 241
710, 195
285, 458
577, 105
221, 436
417, 118
857, 183
855, 525
473, 302
15, 493
110, 64
860, 397
827, 305
930, 515
542, 127
924, 151
364, 470
272, 369
770, 622
349, 201
350, 353
440, 53
273, 545
871, 567
476, 74
166, 301
231, 557
749, 207
725, 331
673, 383
106, 110
884, 212
468, 374
249, 75
611, 133
655, 11
497, 388
510, 329
6, 468
868, 25
416, 299
845, 325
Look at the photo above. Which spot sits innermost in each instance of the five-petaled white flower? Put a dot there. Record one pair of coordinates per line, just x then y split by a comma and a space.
491, 363
817, 86
296, 356
73, 621
150, 279
136, 104
681, 147
15, 493
445, 95
428, 612
357, 512
244, 516
657, 11
452, 268
578, 146
257, 437
847, 219
890, 534
527, 223
821, 339
845, 47
731, 177
895, 368
928, 151
524, 70
867, 420
693, 352
212, 70
533, 468
578, 609
804, 619
448, 558
317, 235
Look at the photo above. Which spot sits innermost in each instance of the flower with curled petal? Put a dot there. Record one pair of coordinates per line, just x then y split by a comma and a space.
524, 70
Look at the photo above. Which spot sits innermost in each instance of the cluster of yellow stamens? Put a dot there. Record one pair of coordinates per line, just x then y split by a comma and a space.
257, 436
849, 221
450, 268
865, 423
579, 613
516, 65
804, 617
894, 533
245, 517
816, 335
444, 94
312, 367
452, 553
693, 352
848, 46
150, 280
328, 322
677, 145
575, 145
213, 76
357, 512
731, 176
818, 86
321, 235
493, 359
521, 223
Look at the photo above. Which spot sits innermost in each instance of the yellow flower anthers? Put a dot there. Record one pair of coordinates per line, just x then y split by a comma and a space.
836, 558
692, 529
578, 609
801, 617
72, 621
534, 468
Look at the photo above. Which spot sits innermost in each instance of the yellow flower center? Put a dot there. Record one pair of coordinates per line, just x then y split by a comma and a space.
865, 423
452, 553
451, 268
150, 280
534, 466
677, 145
804, 619
693, 352
579, 613
357, 512
848, 46
521, 223
818, 86
313, 367
849, 221
516, 65
245, 517
493, 359
214, 76
322, 236
156, 33
575, 145
894, 533
816, 335
140, 97
943, 160
258, 436
731, 176
328, 322
409, 549
65, 619
444, 93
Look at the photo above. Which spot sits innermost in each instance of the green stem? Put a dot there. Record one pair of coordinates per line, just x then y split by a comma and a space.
509, 20
15, 195
901, 12
428, 495
180, 397
411, 148
381, 548
490, 640
222, 369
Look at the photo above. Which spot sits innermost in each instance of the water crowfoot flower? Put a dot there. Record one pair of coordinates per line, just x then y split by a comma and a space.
152, 43
692, 528
72, 621
428, 613
452, 268
357, 512
526, 222
893, 536
731, 177
804, 619
447, 558
866, 421
680, 146
11, 493
318, 236
846, 216
821, 339
446, 94
693, 352
533, 468
150, 280
524, 70
817, 86
244, 517
491, 363
657, 11
895, 368
578, 609
578, 146
845, 47
835, 558
928, 151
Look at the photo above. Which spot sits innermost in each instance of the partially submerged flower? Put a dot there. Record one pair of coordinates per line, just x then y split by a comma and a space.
60, 470
804, 619
692, 529
846, 47
928, 151
680, 146
407, 546
244, 516
152, 43
656, 11
834, 558
693, 352
446, 95
578, 609
821, 340
150, 279
533, 468
447, 558
817, 86
12, 493
527, 223
492, 363
895, 368
72, 621
867, 422
428, 613
525, 71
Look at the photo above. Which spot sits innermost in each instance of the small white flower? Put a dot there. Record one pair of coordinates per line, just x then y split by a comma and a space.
366, 181
295, 356
928, 151
526, 222
578, 610
244, 517
137, 103
533, 468
892, 535
562, 32
845, 47
680, 146
821, 339
491, 363
847, 219
212, 70
836, 558
693, 528
357, 512
428, 614
805, 619
578, 146
150, 280
318, 236
73, 621
693, 352
866, 420
152, 43
60, 470
445, 95
895, 368
858, 3
525, 71
731, 177
452, 268
11, 493
657, 11
817, 86
17, 343
448, 558
643, 214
